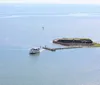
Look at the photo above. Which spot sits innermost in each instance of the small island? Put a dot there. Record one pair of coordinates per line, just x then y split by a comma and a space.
72, 43
76, 42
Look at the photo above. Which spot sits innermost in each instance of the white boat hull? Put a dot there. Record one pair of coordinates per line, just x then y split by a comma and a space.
34, 51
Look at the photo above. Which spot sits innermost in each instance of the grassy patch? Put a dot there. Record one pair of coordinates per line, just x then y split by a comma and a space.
75, 39
96, 44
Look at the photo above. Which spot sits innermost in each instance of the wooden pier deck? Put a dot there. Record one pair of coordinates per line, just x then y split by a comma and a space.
54, 49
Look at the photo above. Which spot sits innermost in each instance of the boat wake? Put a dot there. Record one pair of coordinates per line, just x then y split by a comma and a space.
42, 50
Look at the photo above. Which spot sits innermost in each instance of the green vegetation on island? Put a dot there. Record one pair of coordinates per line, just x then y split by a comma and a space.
96, 44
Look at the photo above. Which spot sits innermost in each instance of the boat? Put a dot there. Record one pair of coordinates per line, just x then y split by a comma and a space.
34, 51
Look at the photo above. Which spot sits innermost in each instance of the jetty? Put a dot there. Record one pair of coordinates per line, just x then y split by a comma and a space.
61, 48
50, 49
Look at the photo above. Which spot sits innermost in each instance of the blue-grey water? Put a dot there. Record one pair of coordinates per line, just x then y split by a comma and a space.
21, 29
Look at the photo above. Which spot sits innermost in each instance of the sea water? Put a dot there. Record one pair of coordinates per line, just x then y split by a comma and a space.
21, 28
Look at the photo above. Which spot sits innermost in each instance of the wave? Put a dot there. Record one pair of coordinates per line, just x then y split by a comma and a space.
42, 50
11, 16
79, 14
84, 14
70, 14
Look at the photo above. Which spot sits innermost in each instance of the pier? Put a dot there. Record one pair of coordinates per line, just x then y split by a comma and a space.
68, 47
